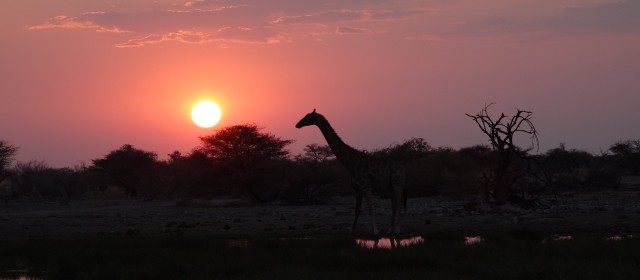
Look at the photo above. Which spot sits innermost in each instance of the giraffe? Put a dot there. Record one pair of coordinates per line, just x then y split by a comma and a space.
366, 172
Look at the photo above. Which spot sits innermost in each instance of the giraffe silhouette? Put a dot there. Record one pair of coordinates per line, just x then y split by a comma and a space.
366, 172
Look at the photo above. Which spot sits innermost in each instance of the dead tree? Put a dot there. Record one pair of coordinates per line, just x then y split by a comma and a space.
501, 132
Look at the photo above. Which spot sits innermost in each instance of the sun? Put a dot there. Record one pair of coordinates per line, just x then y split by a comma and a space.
206, 114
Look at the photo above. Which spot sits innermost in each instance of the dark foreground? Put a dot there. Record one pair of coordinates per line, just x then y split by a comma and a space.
604, 213
519, 255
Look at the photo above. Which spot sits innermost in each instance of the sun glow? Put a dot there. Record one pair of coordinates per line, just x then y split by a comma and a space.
206, 114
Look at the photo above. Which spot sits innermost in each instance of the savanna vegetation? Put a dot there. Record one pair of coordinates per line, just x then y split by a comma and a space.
245, 161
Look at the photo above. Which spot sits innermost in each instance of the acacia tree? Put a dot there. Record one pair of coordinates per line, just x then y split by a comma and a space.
127, 166
627, 154
316, 153
501, 132
241, 148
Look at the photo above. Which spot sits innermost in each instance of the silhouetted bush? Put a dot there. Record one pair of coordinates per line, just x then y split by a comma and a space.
195, 175
35, 179
129, 167
626, 155
314, 176
243, 161
567, 169
409, 150
27, 177
446, 171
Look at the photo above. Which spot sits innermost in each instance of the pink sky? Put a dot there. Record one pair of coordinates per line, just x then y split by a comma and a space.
82, 78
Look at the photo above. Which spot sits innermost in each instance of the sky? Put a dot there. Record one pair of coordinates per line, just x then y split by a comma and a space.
79, 79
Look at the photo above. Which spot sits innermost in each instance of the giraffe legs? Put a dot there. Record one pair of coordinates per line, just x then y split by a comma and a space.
398, 198
394, 216
358, 210
368, 199
362, 186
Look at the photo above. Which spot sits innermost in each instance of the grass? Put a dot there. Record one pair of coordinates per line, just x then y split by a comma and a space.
439, 257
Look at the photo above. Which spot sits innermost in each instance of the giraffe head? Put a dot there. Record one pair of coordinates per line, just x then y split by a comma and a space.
312, 118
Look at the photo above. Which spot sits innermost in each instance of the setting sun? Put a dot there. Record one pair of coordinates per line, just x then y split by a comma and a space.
206, 114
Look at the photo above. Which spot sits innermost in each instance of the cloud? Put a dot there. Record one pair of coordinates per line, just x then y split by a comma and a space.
234, 22
189, 37
485, 27
616, 17
223, 35
65, 22
396, 14
344, 30
293, 6
321, 17
349, 15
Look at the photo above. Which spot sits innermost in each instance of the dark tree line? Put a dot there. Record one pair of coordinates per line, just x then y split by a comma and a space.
245, 161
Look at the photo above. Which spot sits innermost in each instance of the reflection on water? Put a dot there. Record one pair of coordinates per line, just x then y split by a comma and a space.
389, 243
237, 243
618, 237
470, 240
563, 238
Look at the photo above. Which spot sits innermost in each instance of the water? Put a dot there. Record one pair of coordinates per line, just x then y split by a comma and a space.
238, 243
392, 243
472, 240
563, 238
618, 237
389, 243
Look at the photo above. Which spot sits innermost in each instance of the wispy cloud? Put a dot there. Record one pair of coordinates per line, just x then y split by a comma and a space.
234, 22
189, 37
224, 36
321, 17
396, 14
66, 22
345, 30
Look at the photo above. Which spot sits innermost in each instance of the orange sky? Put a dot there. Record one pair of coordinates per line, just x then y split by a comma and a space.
81, 79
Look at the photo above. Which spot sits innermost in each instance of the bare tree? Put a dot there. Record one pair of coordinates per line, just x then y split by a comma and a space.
501, 132
7, 152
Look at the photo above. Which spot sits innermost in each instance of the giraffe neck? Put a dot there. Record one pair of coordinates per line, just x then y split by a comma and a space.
340, 149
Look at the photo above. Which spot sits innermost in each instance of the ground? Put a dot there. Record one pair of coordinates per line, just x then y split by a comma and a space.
609, 213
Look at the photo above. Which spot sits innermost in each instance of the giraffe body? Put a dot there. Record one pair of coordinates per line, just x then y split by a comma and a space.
366, 172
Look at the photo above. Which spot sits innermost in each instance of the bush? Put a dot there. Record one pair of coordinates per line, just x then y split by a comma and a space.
128, 167
36, 179
314, 182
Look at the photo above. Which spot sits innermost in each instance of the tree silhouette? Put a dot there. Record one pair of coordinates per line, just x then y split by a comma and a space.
627, 154
7, 152
410, 150
241, 149
127, 166
501, 132
243, 146
316, 153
